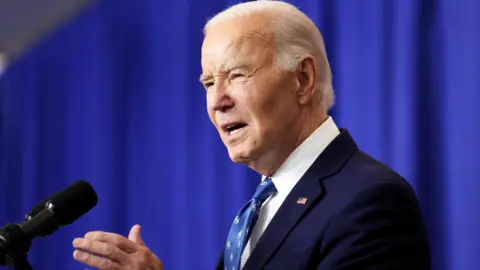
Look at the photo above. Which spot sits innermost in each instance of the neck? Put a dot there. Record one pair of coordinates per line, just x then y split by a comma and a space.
272, 161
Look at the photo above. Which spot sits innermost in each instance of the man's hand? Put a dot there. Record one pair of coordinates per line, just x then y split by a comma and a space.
108, 251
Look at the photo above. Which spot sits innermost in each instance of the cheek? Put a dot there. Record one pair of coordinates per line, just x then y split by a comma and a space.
208, 101
264, 120
273, 115
267, 107
209, 107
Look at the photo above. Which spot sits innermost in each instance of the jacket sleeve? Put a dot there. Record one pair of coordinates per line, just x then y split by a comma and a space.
382, 228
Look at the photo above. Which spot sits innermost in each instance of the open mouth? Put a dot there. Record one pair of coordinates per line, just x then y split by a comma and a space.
232, 129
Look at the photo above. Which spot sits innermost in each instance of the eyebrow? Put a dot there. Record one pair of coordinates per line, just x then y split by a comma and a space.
204, 78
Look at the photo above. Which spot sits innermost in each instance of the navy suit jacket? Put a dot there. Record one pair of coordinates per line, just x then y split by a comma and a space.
359, 214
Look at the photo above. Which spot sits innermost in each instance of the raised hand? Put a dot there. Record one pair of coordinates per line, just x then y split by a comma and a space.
109, 251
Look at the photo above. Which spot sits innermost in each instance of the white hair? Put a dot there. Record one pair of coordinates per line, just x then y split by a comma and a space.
295, 35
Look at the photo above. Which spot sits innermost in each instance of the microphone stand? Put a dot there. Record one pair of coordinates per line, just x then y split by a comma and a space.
14, 254
19, 263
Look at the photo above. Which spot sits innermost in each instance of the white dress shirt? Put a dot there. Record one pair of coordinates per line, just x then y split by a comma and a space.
287, 176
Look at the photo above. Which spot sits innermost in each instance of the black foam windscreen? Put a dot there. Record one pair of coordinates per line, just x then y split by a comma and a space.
73, 202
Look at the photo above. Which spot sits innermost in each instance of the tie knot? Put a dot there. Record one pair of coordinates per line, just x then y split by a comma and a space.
265, 189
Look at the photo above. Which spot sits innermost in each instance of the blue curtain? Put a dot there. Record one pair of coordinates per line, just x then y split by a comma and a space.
113, 98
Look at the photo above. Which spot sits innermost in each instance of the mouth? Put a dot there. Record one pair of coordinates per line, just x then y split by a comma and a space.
231, 129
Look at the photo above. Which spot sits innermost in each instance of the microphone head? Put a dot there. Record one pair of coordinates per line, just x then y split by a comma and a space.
72, 202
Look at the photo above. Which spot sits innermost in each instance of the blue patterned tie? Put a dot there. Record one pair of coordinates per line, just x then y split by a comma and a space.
244, 223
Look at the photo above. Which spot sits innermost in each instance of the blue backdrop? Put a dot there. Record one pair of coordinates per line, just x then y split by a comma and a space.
113, 97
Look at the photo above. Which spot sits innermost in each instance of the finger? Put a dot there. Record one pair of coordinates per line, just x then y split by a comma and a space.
95, 261
113, 239
135, 236
103, 249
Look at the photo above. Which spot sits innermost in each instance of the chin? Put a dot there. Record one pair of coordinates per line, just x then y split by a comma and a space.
238, 158
239, 154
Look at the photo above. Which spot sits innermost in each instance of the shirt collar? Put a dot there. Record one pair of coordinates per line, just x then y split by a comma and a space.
295, 166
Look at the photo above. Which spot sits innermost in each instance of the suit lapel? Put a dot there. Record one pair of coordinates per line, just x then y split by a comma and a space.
303, 196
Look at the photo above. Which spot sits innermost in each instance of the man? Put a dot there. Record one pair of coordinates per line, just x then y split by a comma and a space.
323, 203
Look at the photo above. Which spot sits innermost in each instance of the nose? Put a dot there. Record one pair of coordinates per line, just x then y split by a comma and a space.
219, 99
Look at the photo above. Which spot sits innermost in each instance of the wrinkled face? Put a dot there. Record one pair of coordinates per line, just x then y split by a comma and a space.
249, 101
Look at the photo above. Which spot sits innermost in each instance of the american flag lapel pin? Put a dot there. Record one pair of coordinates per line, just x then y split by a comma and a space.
302, 200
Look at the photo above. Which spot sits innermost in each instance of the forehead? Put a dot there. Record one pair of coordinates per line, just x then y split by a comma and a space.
238, 40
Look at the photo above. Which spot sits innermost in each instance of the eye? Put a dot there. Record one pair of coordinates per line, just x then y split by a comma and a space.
236, 75
208, 84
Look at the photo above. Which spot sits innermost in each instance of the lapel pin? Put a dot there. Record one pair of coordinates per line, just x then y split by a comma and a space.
302, 200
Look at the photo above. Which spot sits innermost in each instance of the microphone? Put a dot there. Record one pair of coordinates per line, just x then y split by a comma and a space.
59, 209
40, 206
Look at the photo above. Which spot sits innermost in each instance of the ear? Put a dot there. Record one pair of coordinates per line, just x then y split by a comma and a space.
307, 80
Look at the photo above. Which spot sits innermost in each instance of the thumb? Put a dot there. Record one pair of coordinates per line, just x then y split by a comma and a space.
134, 235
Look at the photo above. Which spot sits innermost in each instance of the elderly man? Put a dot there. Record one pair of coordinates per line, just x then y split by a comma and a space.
322, 202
